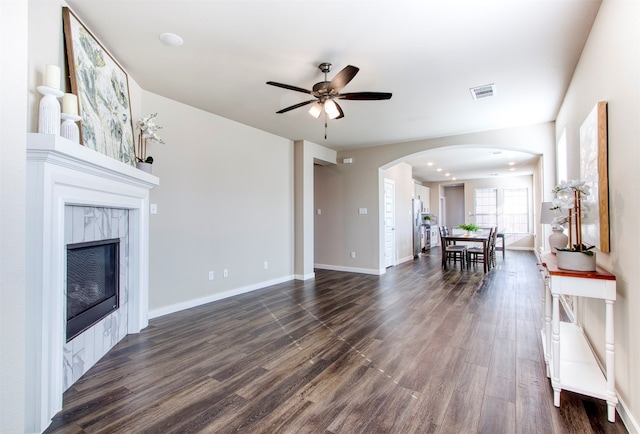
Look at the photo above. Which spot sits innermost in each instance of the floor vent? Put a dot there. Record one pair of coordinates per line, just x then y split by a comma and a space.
483, 91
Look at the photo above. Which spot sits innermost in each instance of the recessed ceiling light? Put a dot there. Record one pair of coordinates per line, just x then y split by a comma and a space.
512, 169
438, 170
430, 163
171, 39
454, 178
447, 174
512, 163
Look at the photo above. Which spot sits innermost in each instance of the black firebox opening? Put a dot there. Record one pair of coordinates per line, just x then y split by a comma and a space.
92, 283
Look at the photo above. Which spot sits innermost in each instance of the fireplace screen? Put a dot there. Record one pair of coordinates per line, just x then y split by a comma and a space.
92, 283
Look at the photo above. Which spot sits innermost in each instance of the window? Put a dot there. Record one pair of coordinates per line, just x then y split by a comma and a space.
486, 207
516, 210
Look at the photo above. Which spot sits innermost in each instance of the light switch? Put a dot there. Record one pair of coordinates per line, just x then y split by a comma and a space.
153, 208
318, 211
362, 210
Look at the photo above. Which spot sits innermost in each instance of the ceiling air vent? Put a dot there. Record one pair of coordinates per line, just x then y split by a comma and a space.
483, 91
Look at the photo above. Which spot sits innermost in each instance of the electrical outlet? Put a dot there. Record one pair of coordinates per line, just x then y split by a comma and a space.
225, 273
266, 265
353, 255
210, 275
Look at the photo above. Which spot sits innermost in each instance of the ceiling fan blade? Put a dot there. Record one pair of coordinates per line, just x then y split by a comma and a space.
365, 96
343, 78
341, 115
288, 86
295, 106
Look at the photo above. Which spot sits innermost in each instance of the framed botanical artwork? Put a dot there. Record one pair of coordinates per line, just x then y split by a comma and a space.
595, 172
103, 93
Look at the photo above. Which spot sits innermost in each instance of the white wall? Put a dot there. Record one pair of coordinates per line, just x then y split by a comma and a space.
609, 70
225, 201
13, 140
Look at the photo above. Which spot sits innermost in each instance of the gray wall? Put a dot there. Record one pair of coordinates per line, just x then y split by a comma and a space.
225, 201
454, 203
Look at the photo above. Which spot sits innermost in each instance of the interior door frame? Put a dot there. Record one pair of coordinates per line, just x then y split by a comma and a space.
391, 260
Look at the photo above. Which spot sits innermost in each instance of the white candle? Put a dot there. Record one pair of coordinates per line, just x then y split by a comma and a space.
70, 104
52, 77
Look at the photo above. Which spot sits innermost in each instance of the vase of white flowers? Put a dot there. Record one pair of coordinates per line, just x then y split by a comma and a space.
147, 132
577, 256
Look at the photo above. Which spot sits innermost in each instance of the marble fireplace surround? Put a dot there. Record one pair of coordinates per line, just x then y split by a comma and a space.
62, 173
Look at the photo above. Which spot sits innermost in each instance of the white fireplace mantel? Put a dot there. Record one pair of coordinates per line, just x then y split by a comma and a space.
60, 173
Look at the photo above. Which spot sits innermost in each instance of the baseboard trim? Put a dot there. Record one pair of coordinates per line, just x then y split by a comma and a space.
405, 259
166, 310
627, 419
348, 269
307, 276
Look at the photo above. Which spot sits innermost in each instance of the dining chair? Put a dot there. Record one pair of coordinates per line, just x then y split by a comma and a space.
447, 232
451, 252
500, 247
478, 255
492, 247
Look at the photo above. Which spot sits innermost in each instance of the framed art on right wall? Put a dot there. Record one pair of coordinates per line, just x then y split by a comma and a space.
594, 170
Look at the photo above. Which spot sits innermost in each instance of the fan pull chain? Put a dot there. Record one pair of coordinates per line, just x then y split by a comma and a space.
325, 124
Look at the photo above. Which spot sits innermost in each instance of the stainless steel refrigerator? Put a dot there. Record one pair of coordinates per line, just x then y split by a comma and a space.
417, 227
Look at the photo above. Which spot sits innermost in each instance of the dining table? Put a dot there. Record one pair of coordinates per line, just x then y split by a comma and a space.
474, 237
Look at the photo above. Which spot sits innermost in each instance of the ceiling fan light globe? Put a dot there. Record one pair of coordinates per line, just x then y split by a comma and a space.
315, 110
331, 109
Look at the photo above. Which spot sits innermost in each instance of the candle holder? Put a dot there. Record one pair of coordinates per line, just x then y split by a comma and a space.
49, 111
69, 129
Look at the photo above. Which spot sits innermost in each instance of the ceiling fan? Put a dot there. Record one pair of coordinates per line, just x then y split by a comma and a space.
327, 92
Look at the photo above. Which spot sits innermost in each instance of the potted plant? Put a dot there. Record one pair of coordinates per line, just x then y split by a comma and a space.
577, 256
147, 131
426, 219
469, 227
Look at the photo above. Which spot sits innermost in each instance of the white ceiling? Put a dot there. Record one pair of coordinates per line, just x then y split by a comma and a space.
427, 53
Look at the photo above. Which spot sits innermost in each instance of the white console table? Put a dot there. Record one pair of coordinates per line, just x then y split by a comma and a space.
571, 362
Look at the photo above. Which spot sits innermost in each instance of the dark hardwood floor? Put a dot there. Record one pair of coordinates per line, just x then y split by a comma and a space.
417, 350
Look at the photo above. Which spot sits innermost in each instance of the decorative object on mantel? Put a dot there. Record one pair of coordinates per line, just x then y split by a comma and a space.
69, 129
103, 93
578, 256
147, 131
49, 110
548, 214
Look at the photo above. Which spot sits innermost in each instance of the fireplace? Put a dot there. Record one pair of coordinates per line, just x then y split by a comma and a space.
103, 199
92, 283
